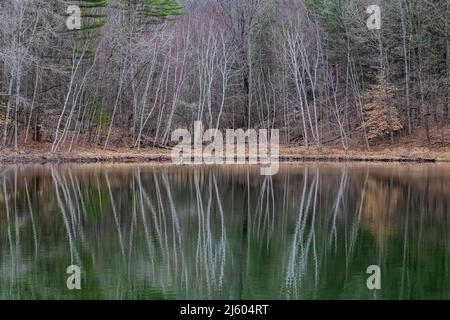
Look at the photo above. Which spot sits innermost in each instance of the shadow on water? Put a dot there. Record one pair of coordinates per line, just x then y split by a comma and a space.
162, 232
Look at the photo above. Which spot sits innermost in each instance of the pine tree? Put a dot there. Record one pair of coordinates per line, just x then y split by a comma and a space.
161, 9
92, 19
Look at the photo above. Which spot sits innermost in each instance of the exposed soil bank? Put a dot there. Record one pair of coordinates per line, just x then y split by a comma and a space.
287, 154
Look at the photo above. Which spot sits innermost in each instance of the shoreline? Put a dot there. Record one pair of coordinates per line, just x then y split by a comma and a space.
287, 155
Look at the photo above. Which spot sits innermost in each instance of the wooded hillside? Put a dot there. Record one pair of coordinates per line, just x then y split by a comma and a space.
138, 69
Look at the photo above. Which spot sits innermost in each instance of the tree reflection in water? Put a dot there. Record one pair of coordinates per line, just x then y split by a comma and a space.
162, 232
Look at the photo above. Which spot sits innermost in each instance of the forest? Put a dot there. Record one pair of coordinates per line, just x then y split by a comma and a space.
136, 70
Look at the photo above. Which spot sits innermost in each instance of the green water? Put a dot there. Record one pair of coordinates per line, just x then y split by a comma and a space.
162, 232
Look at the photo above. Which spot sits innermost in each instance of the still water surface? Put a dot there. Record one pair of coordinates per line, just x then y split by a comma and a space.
162, 232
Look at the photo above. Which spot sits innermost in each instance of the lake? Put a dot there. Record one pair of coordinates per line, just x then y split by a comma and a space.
225, 232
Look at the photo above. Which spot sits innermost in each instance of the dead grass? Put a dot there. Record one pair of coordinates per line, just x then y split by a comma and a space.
409, 148
85, 156
287, 154
398, 153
